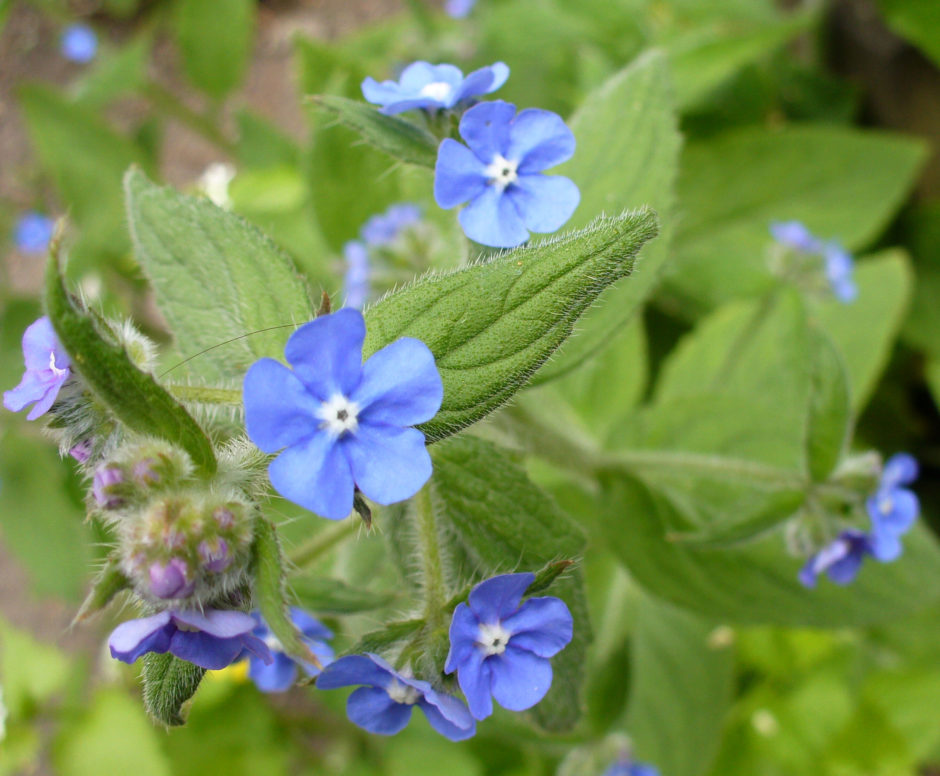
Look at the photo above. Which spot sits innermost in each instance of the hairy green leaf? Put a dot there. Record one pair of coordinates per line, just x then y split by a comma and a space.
491, 325
168, 683
110, 581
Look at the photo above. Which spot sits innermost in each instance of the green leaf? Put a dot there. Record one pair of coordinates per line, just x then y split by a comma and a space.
490, 326
216, 278
496, 520
271, 592
681, 690
916, 20
843, 184
110, 581
215, 41
830, 414
168, 683
115, 73
398, 138
756, 583
864, 331
628, 155
31, 672
381, 640
333, 596
133, 396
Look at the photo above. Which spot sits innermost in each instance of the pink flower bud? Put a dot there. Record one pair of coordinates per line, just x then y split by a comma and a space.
105, 487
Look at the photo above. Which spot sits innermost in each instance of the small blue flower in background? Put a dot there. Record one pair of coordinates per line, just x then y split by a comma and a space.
79, 43
342, 423
356, 286
212, 639
279, 675
459, 9
794, 235
500, 648
893, 508
500, 174
627, 767
841, 559
33, 232
385, 703
47, 369
384, 228
838, 264
433, 87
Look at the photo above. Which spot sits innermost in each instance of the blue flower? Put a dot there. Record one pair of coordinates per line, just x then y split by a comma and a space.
501, 648
840, 271
893, 509
278, 675
212, 639
795, 235
458, 9
342, 423
47, 369
841, 559
433, 87
628, 767
383, 229
356, 286
385, 703
500, 174
79, 43
33, 232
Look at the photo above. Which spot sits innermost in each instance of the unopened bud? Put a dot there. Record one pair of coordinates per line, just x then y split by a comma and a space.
81, 452
215, 557
145, 472
224, 517
106, 487
170, 580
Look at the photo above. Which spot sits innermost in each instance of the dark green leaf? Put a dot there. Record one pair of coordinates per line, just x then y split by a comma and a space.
133, 396
398, 138
168, 683
381, 640
490, 326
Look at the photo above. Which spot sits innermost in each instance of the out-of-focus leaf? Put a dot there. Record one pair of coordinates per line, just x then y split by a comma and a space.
916, 20
830, 415
115, 73
31, 672
332, 596
215, 40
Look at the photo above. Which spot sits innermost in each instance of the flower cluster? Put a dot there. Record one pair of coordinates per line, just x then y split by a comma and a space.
342, 424
433, 87
499, 173
892, 509
48, 368
838, 265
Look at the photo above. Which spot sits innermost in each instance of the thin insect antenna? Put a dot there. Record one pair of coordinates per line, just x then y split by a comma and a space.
226, 342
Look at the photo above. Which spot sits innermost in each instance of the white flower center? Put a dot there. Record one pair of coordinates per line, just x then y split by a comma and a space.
402, 693
501, 172
885, 504
339, 415
273, 643
493, 638
436, 90
55, 370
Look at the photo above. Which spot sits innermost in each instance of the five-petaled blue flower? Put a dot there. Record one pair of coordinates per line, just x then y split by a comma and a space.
501, 648
385, 703
342, 423
79, 43
842, 558
47, 369
433, 87
33, 232
500, 174
627, 767
278, 675
838, 265
893, 508
212, 639
356, 286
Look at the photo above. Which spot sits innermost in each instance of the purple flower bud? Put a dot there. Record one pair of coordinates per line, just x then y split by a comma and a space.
82, 451
214, 556
174, 540
104, 485
169, 581
224, 517
145, 472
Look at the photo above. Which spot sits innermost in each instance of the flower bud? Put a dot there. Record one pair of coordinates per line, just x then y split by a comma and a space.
214, 555
106, 487
170, 580
81, 451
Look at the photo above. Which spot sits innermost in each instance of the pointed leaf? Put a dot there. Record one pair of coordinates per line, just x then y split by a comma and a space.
830, 413
168, 683
109, 582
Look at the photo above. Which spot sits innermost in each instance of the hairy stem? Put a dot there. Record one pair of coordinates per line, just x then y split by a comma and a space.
205, 394
430, 556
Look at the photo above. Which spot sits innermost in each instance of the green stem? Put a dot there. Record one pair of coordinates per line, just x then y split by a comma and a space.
164, 100
431, 562
205, 394
322, 542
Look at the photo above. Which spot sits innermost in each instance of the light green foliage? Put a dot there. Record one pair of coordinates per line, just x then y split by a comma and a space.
31, 673
830, 415
215, 41
627, 156
495, 520
490, 326
116, 74
683, 672
843, 184
216, 278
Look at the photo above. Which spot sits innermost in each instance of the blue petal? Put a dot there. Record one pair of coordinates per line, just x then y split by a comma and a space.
464, 631
520, 679
324, 654
309, 625
383, 93
491, 219
499, 597
354, 669
544, 202
39, 340
543, 626
809, 573
133, 638
485, 128
389, 464
327, 353
279, 410
482, 81
204, 649
441, 722
372, 709
900, 469
893, 509
419, 74
316, 475
475, 680
795, 235
41, 407
458, 175
277, 676
400, 385
222, 623
539, 139
885, 546
843, 571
